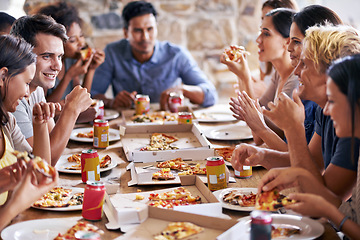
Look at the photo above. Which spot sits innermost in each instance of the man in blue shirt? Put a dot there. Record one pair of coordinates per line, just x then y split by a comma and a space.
141, 64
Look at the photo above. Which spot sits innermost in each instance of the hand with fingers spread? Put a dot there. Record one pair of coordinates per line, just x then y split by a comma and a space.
124, 99
252, 112
245, 154
42, 112
286, 113
236, 109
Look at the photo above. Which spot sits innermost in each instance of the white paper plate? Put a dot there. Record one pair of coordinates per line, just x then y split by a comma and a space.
310, 229
114, 134
44, 229
220, 194
209, 116
238, 131
110, 114
65, 209
63, 163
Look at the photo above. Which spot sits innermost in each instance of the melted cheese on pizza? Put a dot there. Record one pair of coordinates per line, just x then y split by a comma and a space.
179, 230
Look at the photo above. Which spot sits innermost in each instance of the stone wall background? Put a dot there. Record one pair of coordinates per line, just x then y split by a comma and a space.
205, 27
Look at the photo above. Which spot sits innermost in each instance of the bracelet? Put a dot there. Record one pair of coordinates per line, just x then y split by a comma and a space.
342, 222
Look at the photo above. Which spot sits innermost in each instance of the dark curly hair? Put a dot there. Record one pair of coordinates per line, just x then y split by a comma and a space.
63, 13
135, 9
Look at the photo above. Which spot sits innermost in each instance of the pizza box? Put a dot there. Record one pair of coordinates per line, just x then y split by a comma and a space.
125, 209
129, 113
158, 219
192, 143
141, 174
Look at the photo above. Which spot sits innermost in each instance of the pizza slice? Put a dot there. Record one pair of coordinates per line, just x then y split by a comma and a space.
163, 174
85, 135
160, 141
284, 231
79, 226
178, 230
234, 52
105, 161
235, 197
226, 152
85, 53
55, 198
75, 158
272, 200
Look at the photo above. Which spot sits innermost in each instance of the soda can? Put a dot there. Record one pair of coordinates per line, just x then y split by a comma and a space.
245, 173
101, 133
90, 165
100, 109
185, 118
215, 172
142, 104
260, 225
87, 235
94, 197
175, 101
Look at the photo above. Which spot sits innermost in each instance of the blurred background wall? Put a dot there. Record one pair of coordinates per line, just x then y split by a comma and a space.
205, 27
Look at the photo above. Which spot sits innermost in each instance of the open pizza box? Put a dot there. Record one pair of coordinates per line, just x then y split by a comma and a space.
141, 174
158, 219
123, 209
129, 113
192, 144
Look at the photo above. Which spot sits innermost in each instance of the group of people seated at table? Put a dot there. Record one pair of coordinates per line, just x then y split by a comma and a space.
308, 117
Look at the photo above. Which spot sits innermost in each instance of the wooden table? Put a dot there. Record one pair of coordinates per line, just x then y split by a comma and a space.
120, 186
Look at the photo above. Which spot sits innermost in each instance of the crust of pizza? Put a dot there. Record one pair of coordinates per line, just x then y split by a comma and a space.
234, 53
79, 226
179, 230
226, 152
284, 232
272, 200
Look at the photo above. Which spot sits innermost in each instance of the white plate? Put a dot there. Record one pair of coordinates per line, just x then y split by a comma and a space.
239, 131
63, 163
208, 116
309, 228
65, 209
114, 134
220, 194
110, 114
41, 229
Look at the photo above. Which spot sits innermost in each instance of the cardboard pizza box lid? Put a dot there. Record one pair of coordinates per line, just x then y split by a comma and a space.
123, 209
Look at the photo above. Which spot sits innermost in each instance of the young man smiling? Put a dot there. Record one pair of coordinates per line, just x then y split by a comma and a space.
141, 64
48, 37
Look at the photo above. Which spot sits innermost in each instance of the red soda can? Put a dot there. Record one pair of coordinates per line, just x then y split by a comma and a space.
142, 104
260, 225
100, 108
90, 165
101, 133
94, 197
175, 101
87, 235
216, 173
